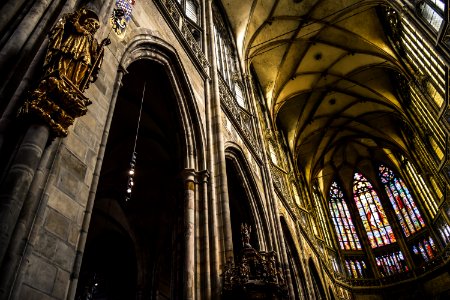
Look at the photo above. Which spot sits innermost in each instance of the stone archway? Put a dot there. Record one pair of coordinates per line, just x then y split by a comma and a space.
317, 282
156, 218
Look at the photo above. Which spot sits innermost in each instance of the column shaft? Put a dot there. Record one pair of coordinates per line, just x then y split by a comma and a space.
14, 188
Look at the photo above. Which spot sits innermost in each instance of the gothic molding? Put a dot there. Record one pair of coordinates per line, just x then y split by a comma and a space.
145, 45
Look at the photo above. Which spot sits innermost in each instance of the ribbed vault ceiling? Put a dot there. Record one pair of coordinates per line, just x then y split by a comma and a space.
326, 68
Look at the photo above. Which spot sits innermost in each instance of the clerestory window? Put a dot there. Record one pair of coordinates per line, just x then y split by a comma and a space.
372, 214
343, 224
226, 60
432, 11
404, 206
191, 11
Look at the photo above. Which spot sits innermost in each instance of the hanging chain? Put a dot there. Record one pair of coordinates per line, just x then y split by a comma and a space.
131, 172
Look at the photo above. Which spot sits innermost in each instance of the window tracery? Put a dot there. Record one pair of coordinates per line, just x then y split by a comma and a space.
392, 263
424, 249
319, 209
422, 189
356, 268
343, 224
404, 206
226, 61
432, 12
372, 214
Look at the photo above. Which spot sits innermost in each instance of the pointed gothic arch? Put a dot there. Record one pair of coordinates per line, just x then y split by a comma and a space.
248, 208
295, 266
170, 154
317, 282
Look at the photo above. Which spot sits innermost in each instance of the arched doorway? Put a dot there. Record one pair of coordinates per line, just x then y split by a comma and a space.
240, 209
295, 267
319, 290
152, 219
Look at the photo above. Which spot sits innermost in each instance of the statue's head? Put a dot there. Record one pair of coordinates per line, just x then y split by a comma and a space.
89, 20
91, 25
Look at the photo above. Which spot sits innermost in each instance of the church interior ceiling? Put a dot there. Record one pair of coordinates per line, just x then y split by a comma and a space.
329, 77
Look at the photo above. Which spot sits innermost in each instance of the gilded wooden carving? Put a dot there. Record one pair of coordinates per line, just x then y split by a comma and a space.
72, 62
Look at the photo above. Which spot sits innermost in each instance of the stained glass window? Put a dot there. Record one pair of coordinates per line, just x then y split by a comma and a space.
407, 213
346, 232
424, 250
356, 268
391, 263
374, 219
444, 230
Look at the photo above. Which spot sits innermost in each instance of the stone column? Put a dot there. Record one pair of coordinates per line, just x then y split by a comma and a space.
14, 188
221, 236
189, 178
20, 236
204, 280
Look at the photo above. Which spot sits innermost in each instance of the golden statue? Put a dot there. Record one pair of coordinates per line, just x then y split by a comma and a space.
72, 62
73, 51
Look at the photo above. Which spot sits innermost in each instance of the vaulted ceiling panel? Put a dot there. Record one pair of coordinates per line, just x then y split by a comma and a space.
325, 67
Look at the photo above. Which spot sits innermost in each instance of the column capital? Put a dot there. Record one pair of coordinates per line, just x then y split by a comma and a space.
194, 176
203, 175
189, 175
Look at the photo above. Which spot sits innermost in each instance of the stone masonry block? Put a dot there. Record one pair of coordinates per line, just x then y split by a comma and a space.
91, 159
57, 224
64, 255
101, 86
90, 119
29, 293
70, 162
45, 244
83, 194
85, 133
76, 146
67, 183
61, 284
65, 205
74, 235
40, 274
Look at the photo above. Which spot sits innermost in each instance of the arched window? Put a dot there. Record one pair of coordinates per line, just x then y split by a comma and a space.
425, 248
432, 11
356, 268
407, 213
348, 239
374, 219
390, 264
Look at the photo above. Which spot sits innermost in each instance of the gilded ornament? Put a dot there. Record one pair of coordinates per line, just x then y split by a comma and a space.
72, 62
